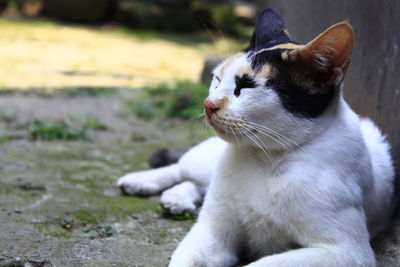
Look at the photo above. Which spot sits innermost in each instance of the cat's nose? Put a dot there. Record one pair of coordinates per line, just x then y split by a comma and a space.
210, 107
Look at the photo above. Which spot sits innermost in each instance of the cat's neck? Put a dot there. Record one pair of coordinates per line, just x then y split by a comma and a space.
265, 155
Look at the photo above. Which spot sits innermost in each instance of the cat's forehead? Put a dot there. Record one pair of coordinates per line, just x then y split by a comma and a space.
237, 65
233, 65
258, 64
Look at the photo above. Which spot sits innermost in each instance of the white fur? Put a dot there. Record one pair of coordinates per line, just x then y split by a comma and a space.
285, 191
188, 179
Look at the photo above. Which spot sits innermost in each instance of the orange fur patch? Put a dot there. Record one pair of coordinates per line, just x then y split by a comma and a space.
282, 46
222, 103
228, 61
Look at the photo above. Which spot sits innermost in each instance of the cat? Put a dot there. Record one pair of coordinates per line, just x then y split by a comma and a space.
295, 177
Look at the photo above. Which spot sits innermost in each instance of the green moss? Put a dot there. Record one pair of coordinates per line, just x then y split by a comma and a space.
182, 217
52, 229
86, 216
122, 205
5, 138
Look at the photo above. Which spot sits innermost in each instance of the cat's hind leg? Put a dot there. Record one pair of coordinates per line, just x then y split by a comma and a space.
181, 198
150, 182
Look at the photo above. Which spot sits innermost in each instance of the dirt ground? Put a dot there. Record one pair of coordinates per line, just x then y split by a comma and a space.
59, 205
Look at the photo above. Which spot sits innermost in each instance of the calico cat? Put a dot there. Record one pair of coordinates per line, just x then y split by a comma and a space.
296, 177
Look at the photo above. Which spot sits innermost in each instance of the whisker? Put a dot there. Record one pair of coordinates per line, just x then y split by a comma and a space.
283, 138
202, 19
265, 152
282, 143
237, 140
268, 129
276, 137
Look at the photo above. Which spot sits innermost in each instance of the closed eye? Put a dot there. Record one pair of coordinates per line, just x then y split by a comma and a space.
243, 82
218, 79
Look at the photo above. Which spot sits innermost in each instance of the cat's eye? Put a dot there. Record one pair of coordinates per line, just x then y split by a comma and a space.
244, 81
218, 79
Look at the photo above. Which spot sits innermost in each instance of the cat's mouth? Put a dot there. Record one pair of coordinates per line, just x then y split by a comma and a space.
227, 127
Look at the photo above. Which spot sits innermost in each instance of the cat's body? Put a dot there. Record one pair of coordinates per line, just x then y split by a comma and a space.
302, 180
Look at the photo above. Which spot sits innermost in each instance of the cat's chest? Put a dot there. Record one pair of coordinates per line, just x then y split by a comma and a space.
257, 194
253, 185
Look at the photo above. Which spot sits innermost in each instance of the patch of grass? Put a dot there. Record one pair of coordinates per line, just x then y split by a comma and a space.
75, 127
182, 100
55, 130
7, 118
89, 122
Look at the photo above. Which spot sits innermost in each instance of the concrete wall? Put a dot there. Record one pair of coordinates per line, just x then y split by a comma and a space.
372, 85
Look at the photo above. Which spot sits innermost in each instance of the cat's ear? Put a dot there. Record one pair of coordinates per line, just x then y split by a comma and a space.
330, 51
270, 30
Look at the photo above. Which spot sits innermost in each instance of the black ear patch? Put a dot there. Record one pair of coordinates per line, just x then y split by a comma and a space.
270, 30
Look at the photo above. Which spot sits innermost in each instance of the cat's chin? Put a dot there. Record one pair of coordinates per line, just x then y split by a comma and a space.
228, 136
226, 129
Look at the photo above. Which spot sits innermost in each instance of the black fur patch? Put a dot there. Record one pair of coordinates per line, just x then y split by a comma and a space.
272, 57
303, 91
269, 31
299, 100
243, 82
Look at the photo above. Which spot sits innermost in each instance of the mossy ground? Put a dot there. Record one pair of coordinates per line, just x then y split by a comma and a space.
59, 202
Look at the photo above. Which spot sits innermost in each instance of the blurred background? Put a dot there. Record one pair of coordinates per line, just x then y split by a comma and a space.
116, 43
89, 89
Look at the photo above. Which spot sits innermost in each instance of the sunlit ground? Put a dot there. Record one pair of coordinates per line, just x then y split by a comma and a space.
43, 54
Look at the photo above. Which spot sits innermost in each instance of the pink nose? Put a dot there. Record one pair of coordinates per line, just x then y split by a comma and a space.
210, 108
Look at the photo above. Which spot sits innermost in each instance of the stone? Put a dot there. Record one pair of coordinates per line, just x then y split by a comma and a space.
210, 63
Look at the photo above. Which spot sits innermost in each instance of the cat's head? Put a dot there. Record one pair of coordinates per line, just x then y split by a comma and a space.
277, 90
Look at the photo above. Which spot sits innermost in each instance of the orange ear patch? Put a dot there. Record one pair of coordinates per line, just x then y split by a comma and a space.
332, 48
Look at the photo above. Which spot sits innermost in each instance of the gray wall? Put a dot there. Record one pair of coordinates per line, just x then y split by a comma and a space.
372, 85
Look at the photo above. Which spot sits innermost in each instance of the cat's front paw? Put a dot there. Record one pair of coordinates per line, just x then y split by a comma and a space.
136, 184
177, 201
186, 261
178, 207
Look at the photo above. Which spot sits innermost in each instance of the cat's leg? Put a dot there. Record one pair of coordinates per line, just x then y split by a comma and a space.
213, 240
150, 182
341, 241
181, 198
208, 244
